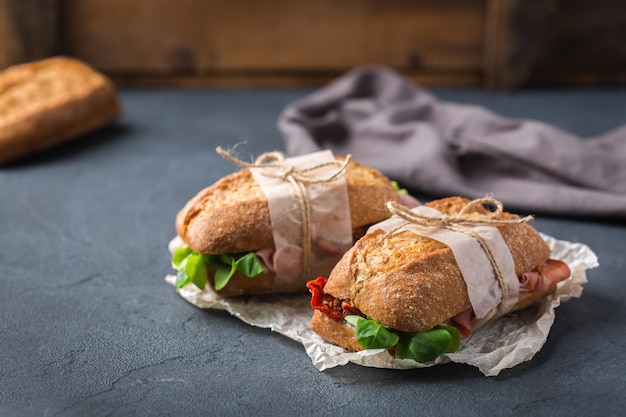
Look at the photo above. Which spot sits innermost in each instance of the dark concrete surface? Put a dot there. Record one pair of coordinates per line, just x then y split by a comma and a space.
89, 327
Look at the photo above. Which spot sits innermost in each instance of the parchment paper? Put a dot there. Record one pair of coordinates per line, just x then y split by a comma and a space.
499, 345
329, 211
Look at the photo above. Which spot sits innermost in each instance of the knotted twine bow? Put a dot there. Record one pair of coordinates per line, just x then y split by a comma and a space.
298, 178
457, 222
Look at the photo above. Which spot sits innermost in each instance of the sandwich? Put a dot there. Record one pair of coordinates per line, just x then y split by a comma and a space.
51, 101
400, 289
226, 234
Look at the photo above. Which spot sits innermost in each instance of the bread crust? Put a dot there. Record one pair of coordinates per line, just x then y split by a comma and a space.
335, 332
232, 215
373, 275
47, 102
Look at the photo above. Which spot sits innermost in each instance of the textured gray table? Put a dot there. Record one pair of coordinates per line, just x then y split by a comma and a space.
89, 327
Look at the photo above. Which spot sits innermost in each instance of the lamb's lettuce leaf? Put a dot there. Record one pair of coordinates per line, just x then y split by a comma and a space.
249, 265
420, 346
371, 334
398, 189
426, 346
192, 267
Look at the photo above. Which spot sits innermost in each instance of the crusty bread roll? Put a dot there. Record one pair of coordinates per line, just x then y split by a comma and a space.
47, 102
232, 216
412, 283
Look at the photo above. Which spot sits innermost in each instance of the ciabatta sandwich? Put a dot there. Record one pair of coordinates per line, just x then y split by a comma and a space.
404, 291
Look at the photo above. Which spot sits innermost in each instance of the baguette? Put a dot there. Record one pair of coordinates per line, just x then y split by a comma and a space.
412, 283
232, 217
51, 101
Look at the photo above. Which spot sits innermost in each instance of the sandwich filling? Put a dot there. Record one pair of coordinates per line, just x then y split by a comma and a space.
192, 266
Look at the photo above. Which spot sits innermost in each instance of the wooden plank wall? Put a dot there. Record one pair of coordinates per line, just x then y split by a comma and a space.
500, 44
555, 42
29, 29
275, 41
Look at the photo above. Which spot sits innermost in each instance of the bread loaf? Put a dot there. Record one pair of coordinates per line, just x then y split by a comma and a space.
48, 102
412, 283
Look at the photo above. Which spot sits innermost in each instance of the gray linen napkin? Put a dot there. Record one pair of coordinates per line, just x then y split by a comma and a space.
443, 148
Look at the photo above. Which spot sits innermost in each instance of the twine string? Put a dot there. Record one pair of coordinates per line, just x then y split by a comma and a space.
458, 223
274, 165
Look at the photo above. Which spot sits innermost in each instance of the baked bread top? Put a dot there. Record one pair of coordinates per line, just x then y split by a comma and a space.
232, 215
412, 283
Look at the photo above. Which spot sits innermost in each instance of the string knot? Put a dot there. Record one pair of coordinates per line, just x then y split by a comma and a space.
461, 218
284, 171
274, 165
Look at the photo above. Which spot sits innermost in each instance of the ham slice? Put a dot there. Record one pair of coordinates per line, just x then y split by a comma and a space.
462, 322
542, 278
545, 276
408, 200
286, 262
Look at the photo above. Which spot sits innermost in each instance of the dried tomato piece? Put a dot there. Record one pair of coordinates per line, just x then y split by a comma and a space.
316, 288
325, 303
334, 308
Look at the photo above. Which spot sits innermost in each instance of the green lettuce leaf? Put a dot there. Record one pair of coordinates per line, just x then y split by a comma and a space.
428, 345
419, 346
371, 334
182, 279
223, 274
397, 188
192, 267
180, 255
455, 343
249, 265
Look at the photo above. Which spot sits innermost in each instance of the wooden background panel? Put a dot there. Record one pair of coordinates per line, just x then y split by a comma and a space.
28, 30
585, 39
555, 42
502, 44
278, 36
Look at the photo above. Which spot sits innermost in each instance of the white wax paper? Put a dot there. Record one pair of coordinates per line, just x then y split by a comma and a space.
499, 345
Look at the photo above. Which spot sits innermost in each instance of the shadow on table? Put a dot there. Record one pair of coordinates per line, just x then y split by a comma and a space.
81, 145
